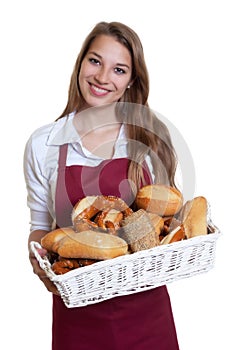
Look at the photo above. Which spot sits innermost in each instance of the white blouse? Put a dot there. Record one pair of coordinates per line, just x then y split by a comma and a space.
41, 166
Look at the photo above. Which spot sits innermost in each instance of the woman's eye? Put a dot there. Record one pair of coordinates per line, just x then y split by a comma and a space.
94, 61
119, 70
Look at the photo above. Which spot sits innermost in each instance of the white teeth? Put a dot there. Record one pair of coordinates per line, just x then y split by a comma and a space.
98, 89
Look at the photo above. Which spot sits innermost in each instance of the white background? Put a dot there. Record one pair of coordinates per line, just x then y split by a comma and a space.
192, 52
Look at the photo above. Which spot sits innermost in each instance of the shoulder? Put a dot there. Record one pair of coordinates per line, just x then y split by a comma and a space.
52, 134
42, 147
37, 145
40, 136
36, 150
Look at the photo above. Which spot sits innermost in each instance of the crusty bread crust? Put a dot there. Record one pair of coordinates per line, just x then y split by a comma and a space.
194, 217
92, 245
139, 232
159, 199
53, 237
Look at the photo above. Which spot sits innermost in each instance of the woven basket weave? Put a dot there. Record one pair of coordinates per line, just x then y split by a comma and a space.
135, 272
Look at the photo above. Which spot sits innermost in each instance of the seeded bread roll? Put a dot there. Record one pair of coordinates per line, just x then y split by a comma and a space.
139, 232
159, 199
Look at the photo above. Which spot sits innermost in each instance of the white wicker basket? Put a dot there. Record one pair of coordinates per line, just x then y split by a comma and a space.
135, 272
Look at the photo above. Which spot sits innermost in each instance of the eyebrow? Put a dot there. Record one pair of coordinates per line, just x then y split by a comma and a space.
99, 56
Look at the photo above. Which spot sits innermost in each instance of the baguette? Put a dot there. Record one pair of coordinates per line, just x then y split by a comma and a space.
51, 239
92, 245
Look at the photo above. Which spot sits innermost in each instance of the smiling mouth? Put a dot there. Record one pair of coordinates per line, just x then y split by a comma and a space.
96, 90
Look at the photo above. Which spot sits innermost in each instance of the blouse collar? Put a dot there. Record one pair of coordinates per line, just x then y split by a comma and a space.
64, 131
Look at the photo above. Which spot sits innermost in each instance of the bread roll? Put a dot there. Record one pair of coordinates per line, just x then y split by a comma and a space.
193, 215
175, 235
53, 237
92, 245
159, 199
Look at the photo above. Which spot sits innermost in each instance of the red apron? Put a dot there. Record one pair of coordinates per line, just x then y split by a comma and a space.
141, 321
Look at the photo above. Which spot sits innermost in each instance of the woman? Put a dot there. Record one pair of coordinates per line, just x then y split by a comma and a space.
106, 141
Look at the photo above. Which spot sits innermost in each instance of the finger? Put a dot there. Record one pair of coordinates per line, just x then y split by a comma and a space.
41, 251
36, 268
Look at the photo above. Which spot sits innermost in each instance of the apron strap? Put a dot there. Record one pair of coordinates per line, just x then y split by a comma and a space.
63, 204
62, 156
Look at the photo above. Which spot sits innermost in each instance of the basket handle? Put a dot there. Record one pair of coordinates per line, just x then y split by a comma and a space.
43, 261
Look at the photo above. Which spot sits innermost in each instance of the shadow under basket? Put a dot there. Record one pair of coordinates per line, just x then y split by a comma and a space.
133, 273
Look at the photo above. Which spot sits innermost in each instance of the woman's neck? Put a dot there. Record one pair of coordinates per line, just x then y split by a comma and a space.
95, 118
98, 129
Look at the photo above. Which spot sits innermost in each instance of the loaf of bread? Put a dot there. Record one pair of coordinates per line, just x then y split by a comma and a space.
139, 232
193, 215
50, 240
157, 222
159, 199
92, 245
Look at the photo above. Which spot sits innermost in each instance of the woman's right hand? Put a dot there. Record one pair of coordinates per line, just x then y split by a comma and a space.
36, 236
41, 273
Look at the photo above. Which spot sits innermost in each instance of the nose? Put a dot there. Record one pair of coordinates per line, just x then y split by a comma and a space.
102, 76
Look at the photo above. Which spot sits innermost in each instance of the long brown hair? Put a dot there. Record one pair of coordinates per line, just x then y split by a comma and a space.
145, 132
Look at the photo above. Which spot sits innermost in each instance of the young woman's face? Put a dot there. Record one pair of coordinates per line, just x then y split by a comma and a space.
105, 71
